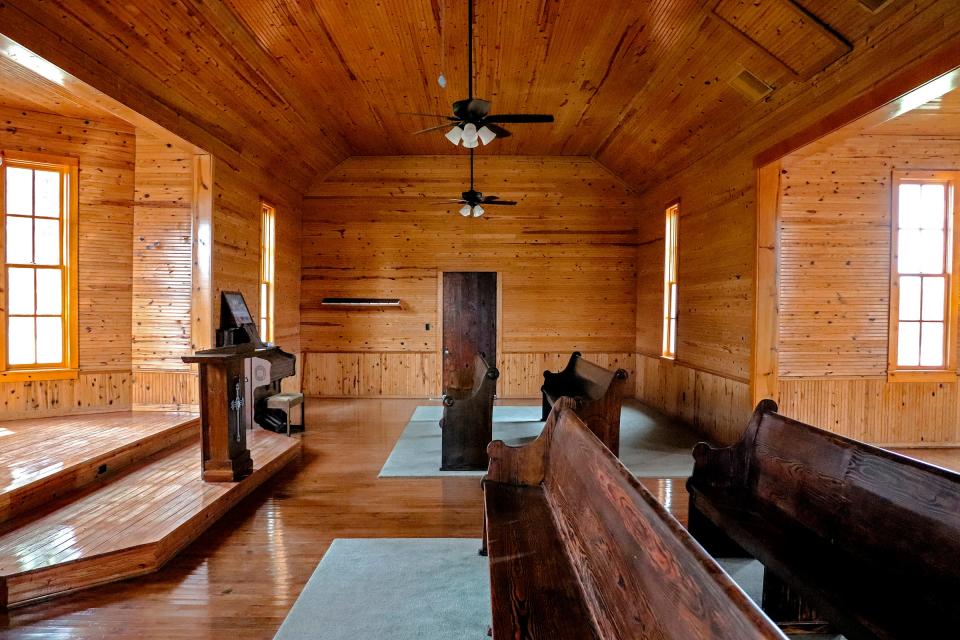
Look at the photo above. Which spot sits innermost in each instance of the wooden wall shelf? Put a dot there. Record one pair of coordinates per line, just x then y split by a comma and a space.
360, 302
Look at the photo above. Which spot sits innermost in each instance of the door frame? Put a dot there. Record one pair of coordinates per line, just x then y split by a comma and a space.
438, 378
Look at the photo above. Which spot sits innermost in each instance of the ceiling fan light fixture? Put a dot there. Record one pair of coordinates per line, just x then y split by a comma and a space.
465, 211
486, 135
469, 132
471, 143
454, 135
477, 211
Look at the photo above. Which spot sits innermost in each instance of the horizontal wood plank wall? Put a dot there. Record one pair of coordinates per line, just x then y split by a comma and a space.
834, 292
714, 404
380, 227
716, 184
236, 251
106, 154
162, 275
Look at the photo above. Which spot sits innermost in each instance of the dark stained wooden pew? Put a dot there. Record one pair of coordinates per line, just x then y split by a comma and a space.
866, 538
598, 393
579, 549
467, 423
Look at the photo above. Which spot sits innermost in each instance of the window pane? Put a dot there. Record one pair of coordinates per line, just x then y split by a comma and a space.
908, 344
47, 239
931, 206
49, 291
19, 240
920, 251
673, 336
673, 300
21, 292
49, 340
47, 193
910, 298
20, 347
19, 191
931, 344
933, 301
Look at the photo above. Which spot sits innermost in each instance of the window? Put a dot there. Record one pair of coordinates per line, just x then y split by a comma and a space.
267, 265
670, 281
39, 266
922, 304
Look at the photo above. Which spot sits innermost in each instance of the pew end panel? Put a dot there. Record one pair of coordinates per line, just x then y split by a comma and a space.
597, 392
584, 522
467, 422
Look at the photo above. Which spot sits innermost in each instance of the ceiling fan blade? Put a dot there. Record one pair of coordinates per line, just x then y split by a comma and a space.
488, 200
520, 117
442, 126
425, 115
471, 109
500, 131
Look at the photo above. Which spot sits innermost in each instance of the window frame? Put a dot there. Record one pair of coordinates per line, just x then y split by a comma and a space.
68, 167
947, 372
671, 285
268, 271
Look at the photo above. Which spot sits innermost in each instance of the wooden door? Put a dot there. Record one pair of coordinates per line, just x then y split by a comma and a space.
469, 323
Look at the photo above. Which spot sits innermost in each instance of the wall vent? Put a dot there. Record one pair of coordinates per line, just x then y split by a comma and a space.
874, 6
753, 88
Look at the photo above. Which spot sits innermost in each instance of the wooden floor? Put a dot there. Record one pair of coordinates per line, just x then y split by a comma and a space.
241, 577
43, 458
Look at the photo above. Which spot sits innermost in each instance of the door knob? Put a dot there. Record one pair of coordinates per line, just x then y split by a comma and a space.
446, 352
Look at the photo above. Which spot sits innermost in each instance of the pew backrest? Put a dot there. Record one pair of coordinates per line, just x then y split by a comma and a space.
869, 502
640, 572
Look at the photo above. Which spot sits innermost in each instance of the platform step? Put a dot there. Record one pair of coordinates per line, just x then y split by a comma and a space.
43, 459
128, 526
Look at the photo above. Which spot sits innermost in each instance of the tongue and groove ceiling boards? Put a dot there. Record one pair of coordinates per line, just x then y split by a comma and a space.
297, 86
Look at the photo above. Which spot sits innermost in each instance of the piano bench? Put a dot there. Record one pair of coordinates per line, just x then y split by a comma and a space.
286, 402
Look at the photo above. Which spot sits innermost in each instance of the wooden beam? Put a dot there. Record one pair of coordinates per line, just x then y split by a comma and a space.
763, 377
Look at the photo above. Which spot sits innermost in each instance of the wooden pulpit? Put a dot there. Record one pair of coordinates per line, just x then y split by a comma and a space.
226, 409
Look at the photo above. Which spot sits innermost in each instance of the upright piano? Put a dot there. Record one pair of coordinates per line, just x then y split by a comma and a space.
236, 378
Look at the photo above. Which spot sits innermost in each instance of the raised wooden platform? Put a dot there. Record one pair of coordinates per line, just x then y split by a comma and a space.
127, 526
45, 458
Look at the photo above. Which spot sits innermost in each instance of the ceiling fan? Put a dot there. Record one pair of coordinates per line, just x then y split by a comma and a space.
472, 122
473, 200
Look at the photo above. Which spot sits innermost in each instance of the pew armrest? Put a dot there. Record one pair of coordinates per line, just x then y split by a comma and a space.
715, 467
525, 465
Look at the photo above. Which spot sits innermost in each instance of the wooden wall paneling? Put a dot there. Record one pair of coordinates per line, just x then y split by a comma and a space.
415, 374
834, 297
715, 177
163, 255
106, 157
565, 254
715, 405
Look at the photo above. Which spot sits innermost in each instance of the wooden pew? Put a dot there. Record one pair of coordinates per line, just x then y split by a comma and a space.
598, 393
579, 549
869, 539
467, 422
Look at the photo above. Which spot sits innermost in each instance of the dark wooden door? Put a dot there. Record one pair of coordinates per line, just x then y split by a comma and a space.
469, 323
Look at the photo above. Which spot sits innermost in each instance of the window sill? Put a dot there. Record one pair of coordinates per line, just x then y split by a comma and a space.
922, 376
30, 375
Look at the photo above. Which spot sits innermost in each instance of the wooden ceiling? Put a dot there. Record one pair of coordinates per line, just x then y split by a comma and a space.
641, 86
939, 117
27, 90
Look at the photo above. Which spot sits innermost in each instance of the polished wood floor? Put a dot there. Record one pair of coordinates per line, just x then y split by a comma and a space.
239, 579
128, 526
42, 458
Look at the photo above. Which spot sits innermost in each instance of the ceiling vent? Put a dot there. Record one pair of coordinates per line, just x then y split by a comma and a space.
753, 88
874, 6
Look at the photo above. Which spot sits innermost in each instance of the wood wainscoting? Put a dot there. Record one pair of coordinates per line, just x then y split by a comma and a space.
90, 392
417, 374
717, 406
